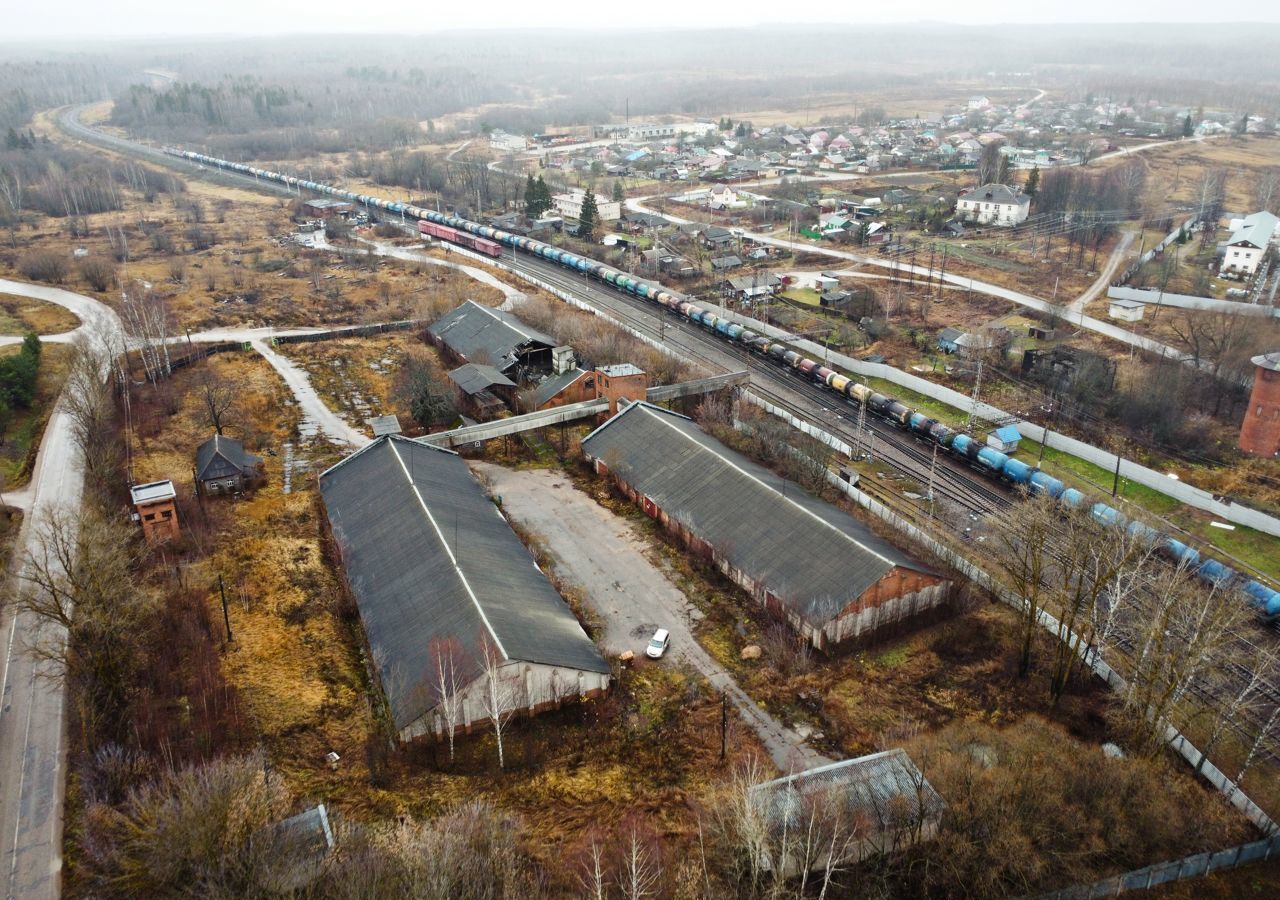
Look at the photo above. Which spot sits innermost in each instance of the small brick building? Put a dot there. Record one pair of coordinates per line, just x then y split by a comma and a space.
1260, 431
155, 508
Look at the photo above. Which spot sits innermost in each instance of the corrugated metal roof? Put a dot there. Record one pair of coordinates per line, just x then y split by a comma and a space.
432, 562
474, 378
813, 556
1008, 433
885, 790
223, 457
152, 491
621, 370
554, 385
491, 336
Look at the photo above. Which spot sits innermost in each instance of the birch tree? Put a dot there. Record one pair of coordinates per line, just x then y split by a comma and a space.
447, 684
499, 699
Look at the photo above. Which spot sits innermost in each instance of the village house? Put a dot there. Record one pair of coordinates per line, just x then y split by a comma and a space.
994, 204
1250, 240
223, 466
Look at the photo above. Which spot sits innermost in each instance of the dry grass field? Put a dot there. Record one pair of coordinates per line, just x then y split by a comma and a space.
19, 315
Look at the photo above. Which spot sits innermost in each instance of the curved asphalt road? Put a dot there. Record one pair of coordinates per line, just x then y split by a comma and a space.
32, 751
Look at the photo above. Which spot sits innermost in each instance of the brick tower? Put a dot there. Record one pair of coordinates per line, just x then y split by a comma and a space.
1260, 432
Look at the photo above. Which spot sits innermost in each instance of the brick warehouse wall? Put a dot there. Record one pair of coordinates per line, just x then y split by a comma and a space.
1260, 431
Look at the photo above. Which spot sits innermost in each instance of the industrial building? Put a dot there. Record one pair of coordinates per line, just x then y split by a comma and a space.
807, 562
475, 333
866, 806
454, 608
485, 391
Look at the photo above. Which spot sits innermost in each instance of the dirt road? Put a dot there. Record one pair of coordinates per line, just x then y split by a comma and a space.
603, 554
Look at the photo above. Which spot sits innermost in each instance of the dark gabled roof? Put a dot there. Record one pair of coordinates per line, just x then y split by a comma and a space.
492, 336
475, 377
883, 791
431, 562
747, 282
950, 335
223, 457
726, 262
554, 385
997, 193
815, 557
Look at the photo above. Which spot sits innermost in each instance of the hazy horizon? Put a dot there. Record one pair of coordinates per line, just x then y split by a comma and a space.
87, 20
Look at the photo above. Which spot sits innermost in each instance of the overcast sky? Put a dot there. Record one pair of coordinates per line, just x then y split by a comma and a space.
116, 18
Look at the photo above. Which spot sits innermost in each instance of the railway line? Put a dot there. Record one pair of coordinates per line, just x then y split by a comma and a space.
781, 385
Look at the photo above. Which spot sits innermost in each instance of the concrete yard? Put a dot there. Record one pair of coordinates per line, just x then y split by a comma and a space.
604, 555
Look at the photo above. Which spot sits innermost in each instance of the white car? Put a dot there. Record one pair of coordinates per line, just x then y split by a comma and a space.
658, 644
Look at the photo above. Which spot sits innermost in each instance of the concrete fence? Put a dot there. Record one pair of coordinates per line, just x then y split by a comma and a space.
1187, 301
1193, 866
1157, 249
350, 331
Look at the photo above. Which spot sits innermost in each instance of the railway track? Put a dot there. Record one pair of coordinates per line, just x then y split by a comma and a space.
954, 481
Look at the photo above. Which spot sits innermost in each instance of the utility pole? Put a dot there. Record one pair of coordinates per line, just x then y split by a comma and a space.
862, 426
933, 464
724, 725
973, 398
226, 617
1115, 483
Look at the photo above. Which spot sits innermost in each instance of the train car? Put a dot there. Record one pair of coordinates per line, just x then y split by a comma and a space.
489, 248
807, 366
859, 391
1179, 552
941, 434
964, 445
1018, 472
778, 352
822, 375
1215, 573
898, 412
1142, 532
838, 382
992, 460
878, 402
1044, 483
791, 358
1106, 515
1263, 597
733, 331
1072, 498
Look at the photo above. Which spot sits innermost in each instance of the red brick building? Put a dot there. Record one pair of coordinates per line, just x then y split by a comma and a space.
1260, 431
156, 511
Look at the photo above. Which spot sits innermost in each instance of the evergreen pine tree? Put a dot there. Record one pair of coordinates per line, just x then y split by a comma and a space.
531, 197
544, 196
1033, 183
588, 219
1187, 128
618, 193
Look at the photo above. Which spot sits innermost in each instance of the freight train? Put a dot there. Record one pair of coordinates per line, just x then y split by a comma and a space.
488, 240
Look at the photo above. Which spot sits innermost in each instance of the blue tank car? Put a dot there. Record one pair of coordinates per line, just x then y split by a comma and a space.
1263, 597
1180, 553
1215, 572
1142, 532
1072, 498
1018, 472
965, 445
1044, 483
1106, 515
992, 459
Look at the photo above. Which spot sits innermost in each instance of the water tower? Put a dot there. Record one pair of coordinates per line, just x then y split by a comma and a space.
1260, 432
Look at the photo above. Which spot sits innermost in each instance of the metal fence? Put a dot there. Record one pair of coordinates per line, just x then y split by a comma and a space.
1194, 866
353, 331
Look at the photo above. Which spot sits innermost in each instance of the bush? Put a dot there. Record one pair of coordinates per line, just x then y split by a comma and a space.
44, 265
98, 273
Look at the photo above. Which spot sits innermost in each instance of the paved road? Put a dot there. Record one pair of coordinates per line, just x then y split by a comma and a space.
604, 555
32, 719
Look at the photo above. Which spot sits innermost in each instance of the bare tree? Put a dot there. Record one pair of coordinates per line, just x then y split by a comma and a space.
640, 874
145, 314
447, 685
91, 616
218, 395
87, 400
1025, 543
499, 699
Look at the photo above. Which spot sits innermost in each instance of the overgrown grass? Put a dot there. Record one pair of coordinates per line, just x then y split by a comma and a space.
19, 315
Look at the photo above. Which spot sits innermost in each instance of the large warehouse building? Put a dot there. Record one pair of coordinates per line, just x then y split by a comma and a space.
478, 334
454, 609
806, 561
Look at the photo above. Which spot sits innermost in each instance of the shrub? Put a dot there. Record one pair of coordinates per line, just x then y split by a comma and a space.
44, 265
98, 273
